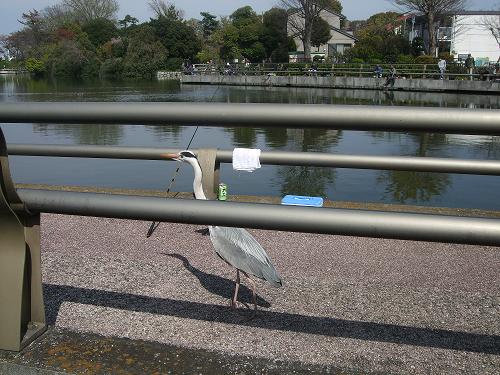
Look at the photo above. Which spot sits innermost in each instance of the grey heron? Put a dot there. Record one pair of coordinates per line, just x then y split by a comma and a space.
235, 246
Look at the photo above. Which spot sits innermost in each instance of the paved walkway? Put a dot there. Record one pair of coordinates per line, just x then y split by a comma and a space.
353, 303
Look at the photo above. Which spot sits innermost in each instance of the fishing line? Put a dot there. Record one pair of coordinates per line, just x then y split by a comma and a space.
155, 224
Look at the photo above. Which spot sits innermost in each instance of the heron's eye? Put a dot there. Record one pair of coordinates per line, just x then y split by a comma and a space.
187, 154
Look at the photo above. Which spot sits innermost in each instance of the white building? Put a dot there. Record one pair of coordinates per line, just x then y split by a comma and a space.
461, 34
339, 41
471, 35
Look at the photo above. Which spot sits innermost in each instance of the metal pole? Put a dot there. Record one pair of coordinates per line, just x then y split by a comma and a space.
421, 227
355, 117
316, 159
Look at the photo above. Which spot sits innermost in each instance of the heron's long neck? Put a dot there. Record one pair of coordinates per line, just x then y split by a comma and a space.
197, 186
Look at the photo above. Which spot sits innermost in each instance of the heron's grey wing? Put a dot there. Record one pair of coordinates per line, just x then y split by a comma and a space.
240, 249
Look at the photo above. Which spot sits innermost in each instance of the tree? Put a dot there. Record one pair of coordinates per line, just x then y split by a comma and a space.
208, 23
145, 54
492, 23
57, 15
177, 37
128, 21
432, 10
88, 10
274, 36
377, 40
303, 13
320, 32
161, 8
100, 31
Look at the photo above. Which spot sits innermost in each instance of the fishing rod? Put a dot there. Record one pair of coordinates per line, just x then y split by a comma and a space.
155, 224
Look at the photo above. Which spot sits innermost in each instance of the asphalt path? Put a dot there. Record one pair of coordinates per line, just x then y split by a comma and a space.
359, 304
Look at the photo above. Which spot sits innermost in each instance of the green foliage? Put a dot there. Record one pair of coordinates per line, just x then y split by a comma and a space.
145, 54
35, 66
274, 35
241, 36
173, 64
66, 60
100, 31
128, 21
208, 24
177, 37
112, 68
406, 59
425, 59
320, 32
377, 40
417, 46
447, 56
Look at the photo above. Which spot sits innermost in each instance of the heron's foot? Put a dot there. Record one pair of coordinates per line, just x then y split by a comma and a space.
204, 231
234, 305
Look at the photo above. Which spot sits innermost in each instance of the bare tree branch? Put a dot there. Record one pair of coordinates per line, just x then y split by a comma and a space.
301, 16
162, 8
492, 23
88, 10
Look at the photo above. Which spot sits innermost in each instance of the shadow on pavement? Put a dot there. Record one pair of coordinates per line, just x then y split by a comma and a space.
55, 295
219, 285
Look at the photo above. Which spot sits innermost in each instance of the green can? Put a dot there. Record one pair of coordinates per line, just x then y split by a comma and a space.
222, 193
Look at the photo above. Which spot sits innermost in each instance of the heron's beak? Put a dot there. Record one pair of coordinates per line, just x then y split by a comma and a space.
171, 156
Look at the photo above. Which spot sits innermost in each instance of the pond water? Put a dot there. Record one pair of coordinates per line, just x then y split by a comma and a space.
430, 189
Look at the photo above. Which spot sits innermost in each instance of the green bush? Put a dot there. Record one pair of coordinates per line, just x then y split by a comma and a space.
35, 66
112, 68
447, 56
357, 60
426, 59
406, 59
174, 64
90, 68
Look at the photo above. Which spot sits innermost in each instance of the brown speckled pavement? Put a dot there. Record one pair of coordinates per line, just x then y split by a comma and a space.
362, 304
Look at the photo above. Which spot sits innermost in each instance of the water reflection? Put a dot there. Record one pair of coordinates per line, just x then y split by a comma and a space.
343, 184
242, 137
165, 132
84, 134
312, 181
405, 187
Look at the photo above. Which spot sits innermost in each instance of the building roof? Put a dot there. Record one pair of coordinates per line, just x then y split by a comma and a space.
478, 13
344, 32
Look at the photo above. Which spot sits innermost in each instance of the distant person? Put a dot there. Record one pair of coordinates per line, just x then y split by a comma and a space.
391, 77
469, 64
442, 68
378, 71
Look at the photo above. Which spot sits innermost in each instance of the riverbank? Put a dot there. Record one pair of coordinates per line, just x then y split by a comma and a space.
360, 83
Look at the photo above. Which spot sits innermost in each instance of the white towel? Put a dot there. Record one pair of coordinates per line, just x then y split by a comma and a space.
246, 159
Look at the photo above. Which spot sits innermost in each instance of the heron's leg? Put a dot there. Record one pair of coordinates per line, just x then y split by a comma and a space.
236, 287
254, 295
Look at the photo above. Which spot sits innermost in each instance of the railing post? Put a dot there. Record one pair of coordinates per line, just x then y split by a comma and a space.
210, 168
22, 311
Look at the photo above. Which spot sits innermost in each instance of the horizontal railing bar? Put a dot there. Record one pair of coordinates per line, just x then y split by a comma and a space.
315, 159
348, 117
423, 227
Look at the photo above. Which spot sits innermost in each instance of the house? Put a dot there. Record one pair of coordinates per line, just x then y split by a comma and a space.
461, 34
470, 34
340, 39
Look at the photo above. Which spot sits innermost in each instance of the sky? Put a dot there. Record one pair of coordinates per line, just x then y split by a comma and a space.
10, 11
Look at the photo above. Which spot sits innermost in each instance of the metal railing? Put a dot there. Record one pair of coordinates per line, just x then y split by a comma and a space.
22, 316
347, 117
455, 71
313, 159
